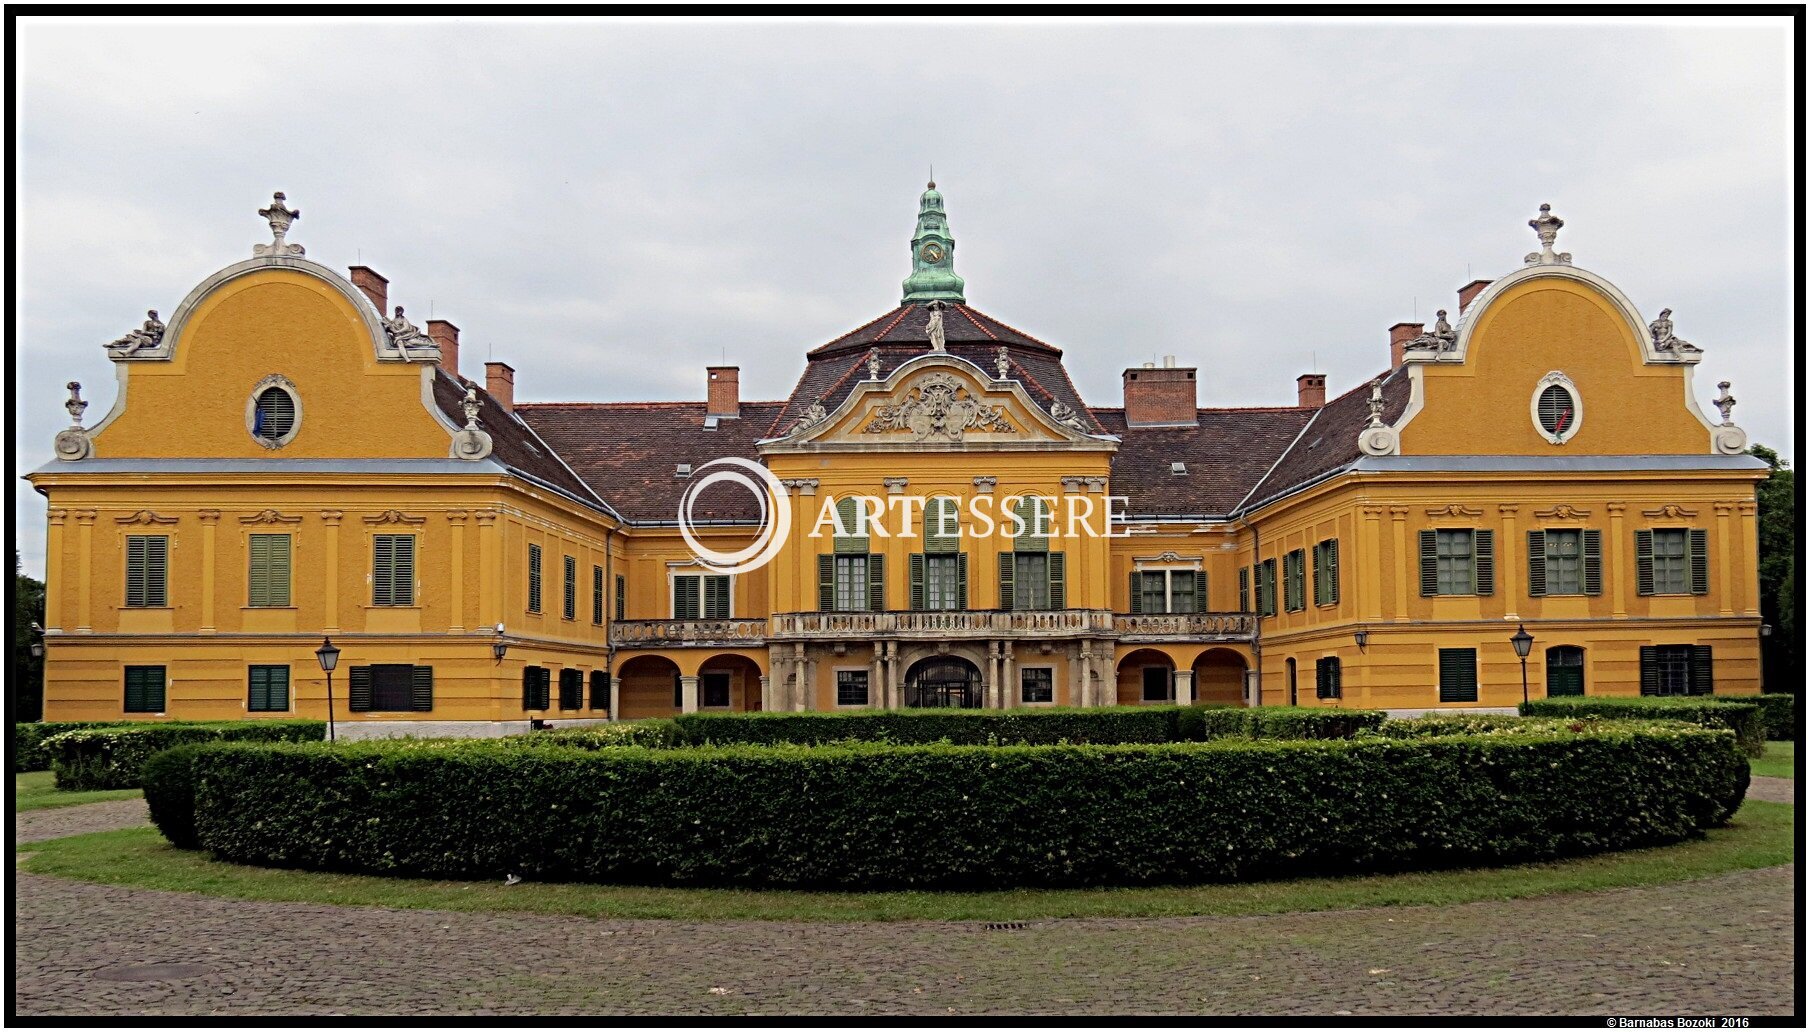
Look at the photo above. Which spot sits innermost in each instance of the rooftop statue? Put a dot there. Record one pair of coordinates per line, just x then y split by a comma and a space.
149, 335
1663, 337
404, 334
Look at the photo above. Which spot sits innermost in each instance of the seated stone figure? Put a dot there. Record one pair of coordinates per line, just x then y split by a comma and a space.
1663, 337
1440, 338
147, 336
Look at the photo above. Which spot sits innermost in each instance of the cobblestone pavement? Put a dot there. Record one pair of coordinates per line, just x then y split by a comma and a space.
56, 822
1718, 946
1772, 790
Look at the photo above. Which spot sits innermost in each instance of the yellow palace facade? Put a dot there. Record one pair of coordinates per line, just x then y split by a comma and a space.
290, 458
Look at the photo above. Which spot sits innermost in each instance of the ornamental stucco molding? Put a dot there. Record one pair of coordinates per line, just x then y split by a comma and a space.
939, 406
1669, 512
1562, 512
269, 516
469, 442
145, 517
1455, 509
394, 516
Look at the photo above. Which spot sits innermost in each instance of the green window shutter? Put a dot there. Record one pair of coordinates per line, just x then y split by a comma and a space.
533, 578
1320, 574
279, 570
1006, 561
258, 566
1200, 591
1643, 564
358, 692
383, 561
1649, 670
826, 583
1484, 544
1702, 670
1457, 675
1699, 562
147, 570
1058, 567
1593, 562
530, 687
934, 519
961, 581
1031, 509
1429, 563
686, 598
1137, 592
569, 600
258, 689
1536, 563
1332, 575
135, 571
716, 597
1244, 589
545, 700
144, 689
596, 594
621, 596
421, 691
849, 516
917, 582
876, 583
600, 689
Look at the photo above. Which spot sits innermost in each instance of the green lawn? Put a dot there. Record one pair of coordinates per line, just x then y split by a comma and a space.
1760, 836
38, 791
1780, 761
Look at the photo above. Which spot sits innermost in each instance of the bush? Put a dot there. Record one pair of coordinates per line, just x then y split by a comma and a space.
940, 816
1743, 718
1778, 712
1140, 724
654, 734
1285, 722
111, 757
169, 783
28, 740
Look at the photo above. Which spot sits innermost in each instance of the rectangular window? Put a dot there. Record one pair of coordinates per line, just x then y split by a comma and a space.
1457, 562
571, 689
713, 690
1326, 573
1153, 592
147, 572
393, 570
851, 583
1030, 580
1244, 589
1168, 591
1266, 588
570, 600
1037, 684
851, 687
1564, 562
1294, 581
1676, 670
597, 594
268, 689
391, 688
1457, 675
1326, 678
144, 689
268, 561
533, 578
537, 688
700, 597
1667, 554
1185, 591
1567, 562
621, 596
1157, 684
600, 689
943, 583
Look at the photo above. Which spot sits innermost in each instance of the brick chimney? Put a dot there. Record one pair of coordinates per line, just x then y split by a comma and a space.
724, 399
375, 287
1163, 396
1310, 390
499, 383
446, 335
1469, 292
1399, 336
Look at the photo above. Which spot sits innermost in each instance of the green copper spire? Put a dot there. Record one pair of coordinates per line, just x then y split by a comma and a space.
933, 275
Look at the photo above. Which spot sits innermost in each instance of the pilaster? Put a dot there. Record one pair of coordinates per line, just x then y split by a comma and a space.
210, 520
84, 581
54, 586
457, 518
1723, 560
1618, 552
1398, 517
330, 561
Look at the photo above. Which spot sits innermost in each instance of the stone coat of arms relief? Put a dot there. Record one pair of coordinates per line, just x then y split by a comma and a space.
939, 407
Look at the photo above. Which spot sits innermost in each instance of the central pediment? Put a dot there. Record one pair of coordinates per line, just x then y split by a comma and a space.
938, 402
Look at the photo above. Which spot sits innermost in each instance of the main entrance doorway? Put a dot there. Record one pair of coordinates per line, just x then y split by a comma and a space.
948, 681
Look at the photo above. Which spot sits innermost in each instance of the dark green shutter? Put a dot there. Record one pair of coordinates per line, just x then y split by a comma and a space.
961, 581
686, 601
1643, 562
716, 597
421, 691
1429, 563
917, 582
1703, 680
1200, 591
876, 583
135, 581
849, 516
358, 694
1649, 670
569, 600
596, 594
621, 596
533, 578
1457, 675
530, 687
1137, 593
1006, 560
545, 694
145, 689
1593, 562
1244, 589
1332, 572
600, 689
147, 570
1484, 544
934, 540
268, 690
1536, 563
826, 583
1058, 572
1699, 562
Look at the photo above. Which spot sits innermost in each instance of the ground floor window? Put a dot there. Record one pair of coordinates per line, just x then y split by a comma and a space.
851, 687
1327, 678
1037, 684
1157, 684
600, 689
144, 689
1676, 670
268, 689
1564, 671
537, 688
713, 690
391, 688
571, 689
1457, 675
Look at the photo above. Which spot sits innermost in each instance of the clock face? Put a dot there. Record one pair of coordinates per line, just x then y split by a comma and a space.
931, 252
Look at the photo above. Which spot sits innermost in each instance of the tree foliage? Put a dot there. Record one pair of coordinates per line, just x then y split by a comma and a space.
1777, 498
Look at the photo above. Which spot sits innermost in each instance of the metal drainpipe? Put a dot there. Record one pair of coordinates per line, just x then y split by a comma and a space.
1257, 617
609, 623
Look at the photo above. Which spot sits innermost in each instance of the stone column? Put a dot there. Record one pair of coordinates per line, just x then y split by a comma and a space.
766, 701
1618, 561
1723, 561
210, 519
615, 698
456, 517
53, 572
688, 693
1010, 694
991, 698
330, 561
1184, 687
1406, 565
84, 584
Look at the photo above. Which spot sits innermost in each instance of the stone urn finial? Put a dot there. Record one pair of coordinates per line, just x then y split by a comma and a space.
73, 444
281, 217
1725, 404
1547, 226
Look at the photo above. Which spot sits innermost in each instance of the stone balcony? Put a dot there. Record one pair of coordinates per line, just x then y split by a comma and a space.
1185, 627
681, 633
965, 624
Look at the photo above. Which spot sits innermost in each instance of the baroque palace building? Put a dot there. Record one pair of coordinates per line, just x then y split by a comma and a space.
284, 461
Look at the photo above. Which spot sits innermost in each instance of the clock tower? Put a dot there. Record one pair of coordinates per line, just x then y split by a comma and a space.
933, 275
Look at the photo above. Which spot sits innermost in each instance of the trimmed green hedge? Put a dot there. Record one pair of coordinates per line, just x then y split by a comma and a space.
168, 778
1743, 717
1777, 709
941, 816
1128, 725
1284, 722
655, 733
111, 757
28, 740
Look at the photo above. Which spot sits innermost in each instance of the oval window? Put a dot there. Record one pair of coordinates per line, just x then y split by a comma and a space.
1557, 412
273, 416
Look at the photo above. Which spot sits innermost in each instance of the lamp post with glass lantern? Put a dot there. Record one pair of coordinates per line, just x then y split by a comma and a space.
329, 657
1523, 643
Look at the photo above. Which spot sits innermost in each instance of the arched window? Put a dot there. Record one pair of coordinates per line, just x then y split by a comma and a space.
274, 413
1564, 670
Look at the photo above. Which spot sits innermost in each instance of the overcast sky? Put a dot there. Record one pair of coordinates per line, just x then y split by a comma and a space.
610, 207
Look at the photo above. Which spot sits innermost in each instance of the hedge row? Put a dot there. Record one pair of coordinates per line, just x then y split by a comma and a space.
1777, 710
111, 757
941, 816
28, 739
1117, 726
1743, 717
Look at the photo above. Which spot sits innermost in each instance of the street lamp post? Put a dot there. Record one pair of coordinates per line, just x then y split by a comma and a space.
1523, 643
329, 657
